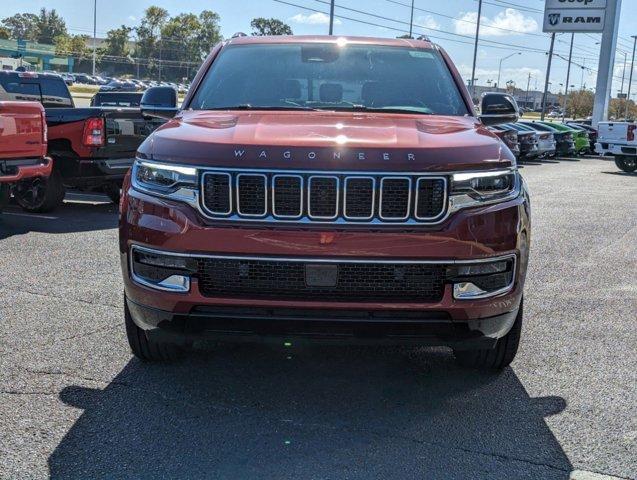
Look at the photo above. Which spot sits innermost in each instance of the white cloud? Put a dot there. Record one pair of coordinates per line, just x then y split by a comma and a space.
313, 19
427, 21
507, 22
132, 18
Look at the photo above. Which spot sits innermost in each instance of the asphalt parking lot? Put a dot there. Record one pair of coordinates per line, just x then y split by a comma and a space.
75, 404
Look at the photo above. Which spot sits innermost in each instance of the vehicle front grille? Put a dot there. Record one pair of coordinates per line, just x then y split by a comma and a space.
282, 279
317, 197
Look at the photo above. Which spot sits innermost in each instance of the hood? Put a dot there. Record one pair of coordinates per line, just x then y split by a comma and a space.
327, 140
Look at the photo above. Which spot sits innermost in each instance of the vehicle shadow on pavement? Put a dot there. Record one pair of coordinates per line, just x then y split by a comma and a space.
268, 412
68, 218
622, 174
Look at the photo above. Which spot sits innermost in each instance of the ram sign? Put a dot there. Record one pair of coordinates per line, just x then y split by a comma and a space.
574, 15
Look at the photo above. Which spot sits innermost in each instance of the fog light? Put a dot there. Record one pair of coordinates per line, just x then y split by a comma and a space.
467, 290
482, 279
159, 271
178, 283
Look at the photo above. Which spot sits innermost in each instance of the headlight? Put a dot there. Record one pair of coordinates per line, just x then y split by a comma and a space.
174, 181
483, 188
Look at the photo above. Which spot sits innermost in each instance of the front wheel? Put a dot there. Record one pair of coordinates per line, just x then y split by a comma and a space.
626, 163
148, 349
495, 358
40, 195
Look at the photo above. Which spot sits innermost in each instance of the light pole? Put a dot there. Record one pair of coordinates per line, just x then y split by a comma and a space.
497, 85
332, 17
475, 51
411, 19
630, 77
94, 32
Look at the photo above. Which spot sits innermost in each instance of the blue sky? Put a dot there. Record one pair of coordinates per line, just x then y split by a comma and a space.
507, 27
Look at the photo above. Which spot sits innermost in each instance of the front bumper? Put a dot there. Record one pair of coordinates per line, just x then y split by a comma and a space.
12, 171
604, 148
481, 233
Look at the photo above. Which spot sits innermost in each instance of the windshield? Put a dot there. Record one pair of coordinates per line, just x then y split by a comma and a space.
330, 77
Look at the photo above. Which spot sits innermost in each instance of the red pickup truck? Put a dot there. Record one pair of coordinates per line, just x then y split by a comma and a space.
326, 189
23, 145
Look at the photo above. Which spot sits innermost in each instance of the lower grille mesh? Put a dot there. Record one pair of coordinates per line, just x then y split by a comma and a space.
287, 280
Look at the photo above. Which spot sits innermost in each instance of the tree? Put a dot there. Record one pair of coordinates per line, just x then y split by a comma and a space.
116, 43
5, 33
579, 103
269, 26
148, 35
49, 25
74, 46
617, 109
209, 33
22, 25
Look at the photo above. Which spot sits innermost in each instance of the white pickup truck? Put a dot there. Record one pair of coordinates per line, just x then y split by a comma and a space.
620, 140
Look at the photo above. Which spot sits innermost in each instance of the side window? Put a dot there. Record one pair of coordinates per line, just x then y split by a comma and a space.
54, 93
17, 90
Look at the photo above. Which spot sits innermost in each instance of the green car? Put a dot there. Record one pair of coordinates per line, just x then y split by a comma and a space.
580, 137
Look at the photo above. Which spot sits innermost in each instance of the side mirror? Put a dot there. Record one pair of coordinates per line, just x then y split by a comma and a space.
498, 108
159, 102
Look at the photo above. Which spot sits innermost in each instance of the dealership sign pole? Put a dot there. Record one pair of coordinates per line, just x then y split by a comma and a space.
590, 16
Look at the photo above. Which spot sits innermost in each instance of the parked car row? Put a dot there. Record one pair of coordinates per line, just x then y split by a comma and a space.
115, 84
541, 139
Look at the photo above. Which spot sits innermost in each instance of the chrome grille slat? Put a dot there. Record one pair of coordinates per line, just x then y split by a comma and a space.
395, 198
323, 197
252, 194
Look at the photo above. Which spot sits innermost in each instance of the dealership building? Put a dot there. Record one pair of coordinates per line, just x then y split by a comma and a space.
39, 55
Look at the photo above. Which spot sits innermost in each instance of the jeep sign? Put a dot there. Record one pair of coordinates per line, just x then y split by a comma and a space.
560, 4
568, 19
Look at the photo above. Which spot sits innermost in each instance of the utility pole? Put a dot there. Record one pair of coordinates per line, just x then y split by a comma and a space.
630, 77
411, 19
94, 32
621, 90
475, 52
528, 84
332, 17
568, 76
548, 72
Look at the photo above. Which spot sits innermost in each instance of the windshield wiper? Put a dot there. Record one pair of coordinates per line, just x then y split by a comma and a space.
247, 106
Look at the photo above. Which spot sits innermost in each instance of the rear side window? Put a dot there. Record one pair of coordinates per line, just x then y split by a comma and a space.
51, 92
14, 89
54, 93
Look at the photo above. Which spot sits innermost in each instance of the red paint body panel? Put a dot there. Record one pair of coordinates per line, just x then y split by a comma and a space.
23, 138
22, 130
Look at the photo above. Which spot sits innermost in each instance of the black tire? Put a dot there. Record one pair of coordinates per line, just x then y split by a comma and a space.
113, 191
147, 349
499, 357
627, 164
40, 195
5, 193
